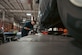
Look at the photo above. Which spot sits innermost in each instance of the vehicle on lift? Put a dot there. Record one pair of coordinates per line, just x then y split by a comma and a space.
63, 12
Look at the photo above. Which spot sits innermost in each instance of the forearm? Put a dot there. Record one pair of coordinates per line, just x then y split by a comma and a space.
26, 28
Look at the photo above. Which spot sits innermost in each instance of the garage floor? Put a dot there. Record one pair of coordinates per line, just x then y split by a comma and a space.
41, 45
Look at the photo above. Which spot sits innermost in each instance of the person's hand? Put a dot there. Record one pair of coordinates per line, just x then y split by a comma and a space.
27, 28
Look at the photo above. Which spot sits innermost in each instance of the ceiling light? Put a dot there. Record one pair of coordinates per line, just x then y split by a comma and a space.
29, 14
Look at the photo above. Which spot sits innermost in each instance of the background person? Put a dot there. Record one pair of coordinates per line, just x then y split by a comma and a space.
27, 27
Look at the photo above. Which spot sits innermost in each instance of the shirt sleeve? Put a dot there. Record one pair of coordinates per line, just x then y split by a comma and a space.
29, 25
26, 24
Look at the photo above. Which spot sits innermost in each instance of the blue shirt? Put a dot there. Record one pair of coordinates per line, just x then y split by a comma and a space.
28, 25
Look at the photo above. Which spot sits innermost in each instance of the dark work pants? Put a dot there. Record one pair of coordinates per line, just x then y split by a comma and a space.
24, 34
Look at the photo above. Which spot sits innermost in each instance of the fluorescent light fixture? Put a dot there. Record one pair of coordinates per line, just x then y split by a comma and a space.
29, 14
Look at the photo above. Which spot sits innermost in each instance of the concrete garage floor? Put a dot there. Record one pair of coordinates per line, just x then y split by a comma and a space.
41, 45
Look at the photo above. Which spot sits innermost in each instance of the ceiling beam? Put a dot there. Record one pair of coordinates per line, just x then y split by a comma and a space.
24, 11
